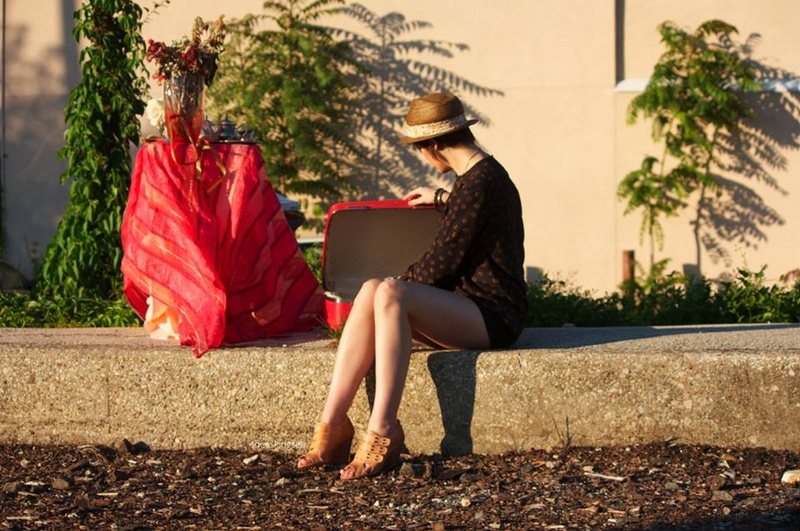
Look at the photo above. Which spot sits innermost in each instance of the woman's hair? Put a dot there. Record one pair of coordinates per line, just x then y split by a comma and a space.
462, 136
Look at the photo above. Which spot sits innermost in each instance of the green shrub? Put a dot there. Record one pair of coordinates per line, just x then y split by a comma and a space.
657, 299
749, 300
313, 256
673, 298
664, 299
23, 310
83, 258
557, 303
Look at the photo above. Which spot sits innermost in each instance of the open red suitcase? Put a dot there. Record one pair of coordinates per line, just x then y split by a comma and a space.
370, 239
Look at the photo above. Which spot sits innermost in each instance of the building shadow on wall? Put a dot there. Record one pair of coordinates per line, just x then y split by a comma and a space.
395, 71
36, 93
755, 153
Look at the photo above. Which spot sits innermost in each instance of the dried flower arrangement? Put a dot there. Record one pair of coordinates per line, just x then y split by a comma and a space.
184, 67
195, 55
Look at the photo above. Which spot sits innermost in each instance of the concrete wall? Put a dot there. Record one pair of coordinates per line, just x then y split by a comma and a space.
559, 126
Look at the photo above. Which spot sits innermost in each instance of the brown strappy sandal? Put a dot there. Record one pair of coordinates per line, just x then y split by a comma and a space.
376, 453
330, 444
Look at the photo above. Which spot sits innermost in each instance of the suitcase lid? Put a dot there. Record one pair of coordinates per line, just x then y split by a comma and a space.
373, 239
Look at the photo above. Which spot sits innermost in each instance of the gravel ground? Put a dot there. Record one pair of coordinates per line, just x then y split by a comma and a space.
664, 486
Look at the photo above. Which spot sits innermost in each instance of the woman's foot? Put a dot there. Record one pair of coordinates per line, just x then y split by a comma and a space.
375, 454
330, 444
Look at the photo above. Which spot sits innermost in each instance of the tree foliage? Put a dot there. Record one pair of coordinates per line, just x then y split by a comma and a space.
102, 123
394, 71
695, 99
328, 102
285, 76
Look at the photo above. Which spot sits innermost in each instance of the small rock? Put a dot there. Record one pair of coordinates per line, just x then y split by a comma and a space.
12, 487
140, 447
62, 483
465, 502
715, 482
749, 502
80, 465
252, 459
99, 503
721, 495
791, 476
35, 487
82, 502
126, 447
108, 453
282, 481
671, 485
286, 472
121, 475
188, 473
451, 473
468, 478
407, 471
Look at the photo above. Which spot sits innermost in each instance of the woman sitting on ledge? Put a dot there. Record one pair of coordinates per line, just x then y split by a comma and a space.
467, 291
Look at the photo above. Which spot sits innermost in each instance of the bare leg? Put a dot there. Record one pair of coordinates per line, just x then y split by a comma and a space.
444, 317
354, 357
400, 309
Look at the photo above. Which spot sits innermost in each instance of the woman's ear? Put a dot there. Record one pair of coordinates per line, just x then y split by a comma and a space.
435, 150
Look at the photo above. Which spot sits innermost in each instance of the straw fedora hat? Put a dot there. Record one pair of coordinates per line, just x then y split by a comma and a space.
434, 115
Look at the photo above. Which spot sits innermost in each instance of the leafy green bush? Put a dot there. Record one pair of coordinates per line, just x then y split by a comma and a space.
23, 310
83, 258
556, 303
673, 298
658, 299
749, 300
313, 256
661, 299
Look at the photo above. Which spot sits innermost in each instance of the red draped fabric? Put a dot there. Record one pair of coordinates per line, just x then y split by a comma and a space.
210, 242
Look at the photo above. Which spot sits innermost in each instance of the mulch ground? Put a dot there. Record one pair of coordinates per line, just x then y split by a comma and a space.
663, 486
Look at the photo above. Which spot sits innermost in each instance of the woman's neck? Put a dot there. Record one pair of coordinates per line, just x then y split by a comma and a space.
465, 157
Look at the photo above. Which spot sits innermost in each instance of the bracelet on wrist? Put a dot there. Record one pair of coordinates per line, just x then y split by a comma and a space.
438, 204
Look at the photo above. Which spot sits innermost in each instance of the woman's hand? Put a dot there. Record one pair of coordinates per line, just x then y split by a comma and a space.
422, 195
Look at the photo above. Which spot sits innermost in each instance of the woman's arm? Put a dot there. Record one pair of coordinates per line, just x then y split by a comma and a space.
441, 264
424, 195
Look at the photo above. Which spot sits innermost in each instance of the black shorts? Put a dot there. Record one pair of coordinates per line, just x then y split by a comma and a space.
500, 333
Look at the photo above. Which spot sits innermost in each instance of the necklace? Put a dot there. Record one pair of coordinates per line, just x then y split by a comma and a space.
466, 166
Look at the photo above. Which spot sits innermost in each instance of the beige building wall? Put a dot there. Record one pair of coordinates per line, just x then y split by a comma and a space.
769, 23
559, 126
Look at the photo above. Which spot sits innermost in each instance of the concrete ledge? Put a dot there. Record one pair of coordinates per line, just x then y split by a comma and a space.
723, 385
